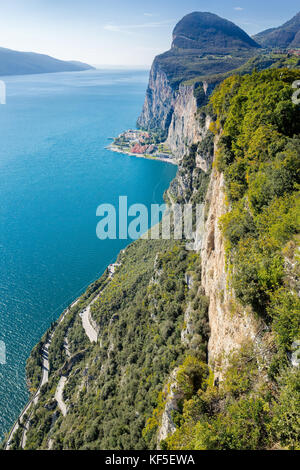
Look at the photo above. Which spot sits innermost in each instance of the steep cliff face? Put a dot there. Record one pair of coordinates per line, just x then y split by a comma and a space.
166, 312
203, 45
253, 327
174, 113
184, 129
230, 325
159, 102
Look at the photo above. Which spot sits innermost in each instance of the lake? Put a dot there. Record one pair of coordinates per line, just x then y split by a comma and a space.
55, 171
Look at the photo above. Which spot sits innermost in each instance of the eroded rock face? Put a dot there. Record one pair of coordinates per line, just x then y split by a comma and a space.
184, 129
172, 395
159, 102
230, 324
172, 112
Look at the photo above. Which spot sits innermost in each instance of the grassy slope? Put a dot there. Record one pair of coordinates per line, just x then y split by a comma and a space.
181, 65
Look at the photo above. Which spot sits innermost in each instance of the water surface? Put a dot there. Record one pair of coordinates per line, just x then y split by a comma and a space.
54, 172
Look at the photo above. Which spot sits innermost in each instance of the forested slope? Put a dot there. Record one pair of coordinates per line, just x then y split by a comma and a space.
155, 377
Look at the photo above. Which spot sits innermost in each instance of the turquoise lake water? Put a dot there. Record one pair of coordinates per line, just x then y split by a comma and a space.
54, 172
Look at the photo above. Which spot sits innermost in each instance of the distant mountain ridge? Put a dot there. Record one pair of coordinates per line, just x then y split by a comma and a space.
23, 63
285, 36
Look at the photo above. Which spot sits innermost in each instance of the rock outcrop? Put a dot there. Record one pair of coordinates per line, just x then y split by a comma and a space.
159, 102
171, 104
173, 113
230, 324
186, 128
172, 396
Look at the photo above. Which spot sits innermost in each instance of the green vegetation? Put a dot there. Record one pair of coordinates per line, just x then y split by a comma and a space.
182, 65
140, 313
259, 154
262, 61
34, 366
34, 362
243, 412
153, 314
256, 403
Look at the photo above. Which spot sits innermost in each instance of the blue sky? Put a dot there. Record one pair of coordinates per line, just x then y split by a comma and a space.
120, 32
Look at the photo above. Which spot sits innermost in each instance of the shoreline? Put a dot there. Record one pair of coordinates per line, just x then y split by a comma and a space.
113, 148
33, 398
6, 441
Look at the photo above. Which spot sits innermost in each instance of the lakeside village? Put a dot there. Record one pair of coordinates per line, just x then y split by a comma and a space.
288, 52
140, 143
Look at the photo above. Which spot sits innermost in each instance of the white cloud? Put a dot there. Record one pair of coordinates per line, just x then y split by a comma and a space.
112, 27
238, 8
129, 29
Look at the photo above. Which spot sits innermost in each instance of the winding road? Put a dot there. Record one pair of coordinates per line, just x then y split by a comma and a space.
86, 314
93, 337
34, 399
87, 325
59, 395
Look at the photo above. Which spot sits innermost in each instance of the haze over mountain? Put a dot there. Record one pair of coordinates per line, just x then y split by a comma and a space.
22, 63
285, 36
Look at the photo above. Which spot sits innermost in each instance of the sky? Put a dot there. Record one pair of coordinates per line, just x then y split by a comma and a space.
120, 32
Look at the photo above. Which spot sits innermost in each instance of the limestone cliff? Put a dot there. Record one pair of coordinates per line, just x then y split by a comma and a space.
230, 325
184, 129
173, 112
159, 102
163, 304
203, 45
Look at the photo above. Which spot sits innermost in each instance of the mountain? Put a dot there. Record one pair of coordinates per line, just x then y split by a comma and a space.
203, 45
285, 36
191, 346
22, 63
205, 50
208, 32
